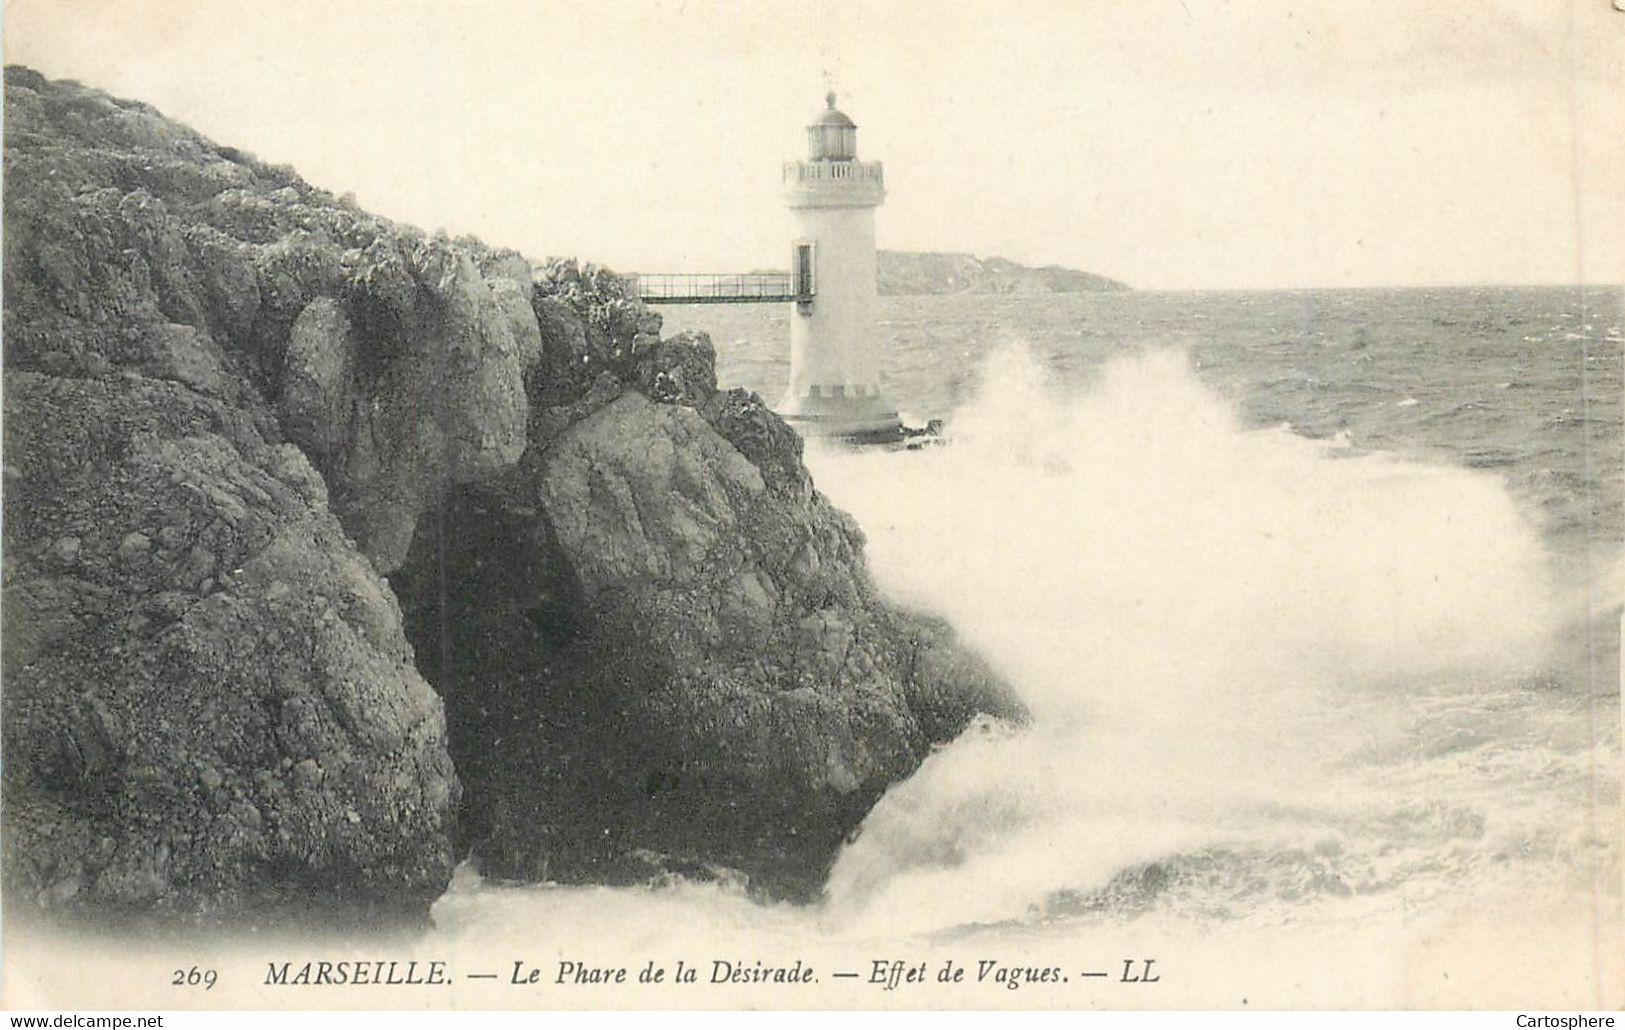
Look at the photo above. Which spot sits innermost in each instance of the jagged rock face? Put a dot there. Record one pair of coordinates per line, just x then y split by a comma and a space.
395, 361
681, 628
210, 708
408, 388
234, 402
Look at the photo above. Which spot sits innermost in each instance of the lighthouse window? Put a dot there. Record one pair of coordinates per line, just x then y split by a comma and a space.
803, 270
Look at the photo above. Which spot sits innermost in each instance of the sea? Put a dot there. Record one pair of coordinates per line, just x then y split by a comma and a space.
1315, 598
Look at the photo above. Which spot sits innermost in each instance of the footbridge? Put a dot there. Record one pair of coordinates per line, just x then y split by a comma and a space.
720, 288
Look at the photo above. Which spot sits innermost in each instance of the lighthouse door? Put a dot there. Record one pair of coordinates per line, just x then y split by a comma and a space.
802, 272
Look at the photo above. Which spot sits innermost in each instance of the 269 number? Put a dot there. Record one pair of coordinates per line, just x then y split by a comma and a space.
195, 977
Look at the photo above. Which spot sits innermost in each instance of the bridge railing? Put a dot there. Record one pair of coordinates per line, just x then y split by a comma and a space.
709, 288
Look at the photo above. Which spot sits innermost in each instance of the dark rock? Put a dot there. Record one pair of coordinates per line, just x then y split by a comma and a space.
233, 400
745, 421
407, 368
141, 719
678, 370
671, 657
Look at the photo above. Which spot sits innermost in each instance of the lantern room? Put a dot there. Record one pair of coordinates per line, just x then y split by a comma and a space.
832, 136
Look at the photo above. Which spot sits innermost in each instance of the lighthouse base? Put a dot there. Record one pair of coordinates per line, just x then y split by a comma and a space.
870, 419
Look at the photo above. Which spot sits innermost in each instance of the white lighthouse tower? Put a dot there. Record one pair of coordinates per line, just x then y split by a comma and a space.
834, 362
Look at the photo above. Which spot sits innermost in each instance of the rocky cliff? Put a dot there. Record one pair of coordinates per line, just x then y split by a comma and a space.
922, 272
335, 552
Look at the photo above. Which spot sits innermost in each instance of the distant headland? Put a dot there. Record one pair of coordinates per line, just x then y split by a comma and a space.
904, 272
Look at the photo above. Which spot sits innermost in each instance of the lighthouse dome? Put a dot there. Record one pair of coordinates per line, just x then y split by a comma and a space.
833, 116
832, 136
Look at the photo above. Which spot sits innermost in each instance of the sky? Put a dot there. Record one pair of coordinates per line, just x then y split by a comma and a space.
1172, 144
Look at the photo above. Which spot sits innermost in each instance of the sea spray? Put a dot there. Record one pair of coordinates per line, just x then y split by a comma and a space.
1291, 725
1210, 623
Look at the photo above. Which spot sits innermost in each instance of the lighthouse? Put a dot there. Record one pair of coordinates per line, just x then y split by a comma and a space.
834, 361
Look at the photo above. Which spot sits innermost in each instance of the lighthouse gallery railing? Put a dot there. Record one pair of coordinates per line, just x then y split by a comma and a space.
820, 171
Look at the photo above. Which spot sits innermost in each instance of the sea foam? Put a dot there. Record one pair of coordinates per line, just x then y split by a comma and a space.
1272, 680
1206, 621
